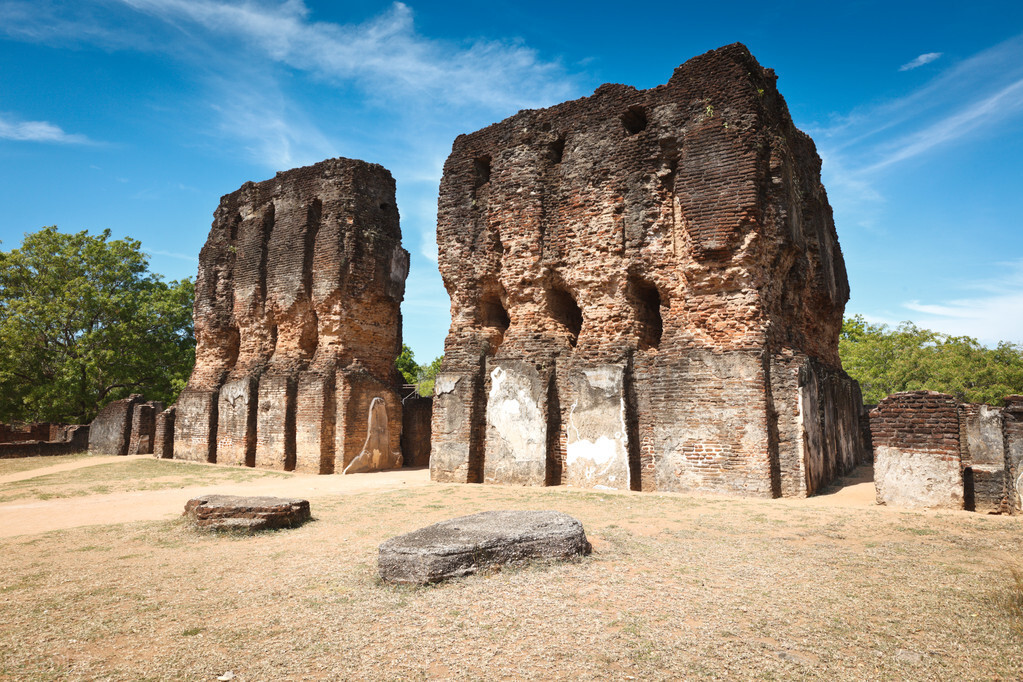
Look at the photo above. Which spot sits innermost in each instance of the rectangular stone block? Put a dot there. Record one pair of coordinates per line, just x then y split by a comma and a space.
195, 426
597, 454
275, 423
163, 438
455, 450
315, 416
704, 419
143, 427
110, 431
236, 424
516, 418
917, 478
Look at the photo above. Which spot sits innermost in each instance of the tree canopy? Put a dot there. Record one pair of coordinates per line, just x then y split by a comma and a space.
84, 322
908, 358
422, 376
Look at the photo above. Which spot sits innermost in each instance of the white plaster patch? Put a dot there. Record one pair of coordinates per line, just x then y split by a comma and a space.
597, 450
516, 417
445, 383
916, 479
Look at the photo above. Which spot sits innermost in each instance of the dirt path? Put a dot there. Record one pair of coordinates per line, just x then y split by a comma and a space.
27, 518
68, 466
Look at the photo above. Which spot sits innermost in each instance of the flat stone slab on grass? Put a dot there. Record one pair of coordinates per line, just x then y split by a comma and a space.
232, 512
464, 545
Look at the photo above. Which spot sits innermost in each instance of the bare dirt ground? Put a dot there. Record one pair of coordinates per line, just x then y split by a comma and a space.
678, 587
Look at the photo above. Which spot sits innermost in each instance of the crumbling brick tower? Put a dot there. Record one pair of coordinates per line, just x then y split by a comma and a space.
297, 325
646, 291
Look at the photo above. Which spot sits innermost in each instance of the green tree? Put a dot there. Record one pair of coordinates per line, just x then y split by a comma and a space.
406, 364
908, 358
84, 322
422, 376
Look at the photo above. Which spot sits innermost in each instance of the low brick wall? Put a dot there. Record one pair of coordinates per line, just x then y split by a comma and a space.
916, 450
932, 451
39, 448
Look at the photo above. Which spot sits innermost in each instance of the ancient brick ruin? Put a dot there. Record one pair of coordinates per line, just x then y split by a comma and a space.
647, 292
930, 450
42, 439
124, 427
297, 325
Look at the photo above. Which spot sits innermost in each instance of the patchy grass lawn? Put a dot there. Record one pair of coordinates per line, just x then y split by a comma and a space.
15, 466
677, 587
130, 475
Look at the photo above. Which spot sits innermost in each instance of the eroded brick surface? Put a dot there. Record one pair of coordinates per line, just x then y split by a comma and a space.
679, 234
297, 323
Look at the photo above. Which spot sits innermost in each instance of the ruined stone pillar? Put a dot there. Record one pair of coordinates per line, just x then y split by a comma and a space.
297, 325
646, 293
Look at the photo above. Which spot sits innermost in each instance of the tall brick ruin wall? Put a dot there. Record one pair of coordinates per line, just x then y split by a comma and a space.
647, 292
297, 325
932, 451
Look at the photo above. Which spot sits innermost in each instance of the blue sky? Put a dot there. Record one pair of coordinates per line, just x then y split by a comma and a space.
137, 115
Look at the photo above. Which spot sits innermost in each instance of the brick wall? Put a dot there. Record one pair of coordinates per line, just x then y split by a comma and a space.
680, 234
300, 282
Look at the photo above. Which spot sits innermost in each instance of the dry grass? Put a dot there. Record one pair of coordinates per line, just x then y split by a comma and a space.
677, 587
1013, 599
14, 466
128, 476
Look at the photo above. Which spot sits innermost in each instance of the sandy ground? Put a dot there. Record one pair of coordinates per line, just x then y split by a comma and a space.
678, 587
40, 516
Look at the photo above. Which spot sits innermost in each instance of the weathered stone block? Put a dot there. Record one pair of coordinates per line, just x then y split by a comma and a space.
597, 452
315, 416
110, 431
230, 512
275, 422
163, 438
467, 544
195, 425
456, 428
907, 478
516, 441
236, 423
917, 460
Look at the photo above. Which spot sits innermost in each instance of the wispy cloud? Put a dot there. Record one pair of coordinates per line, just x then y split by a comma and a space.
993, 312
386, 53
171, 254
37, 131
975, 96
925, 58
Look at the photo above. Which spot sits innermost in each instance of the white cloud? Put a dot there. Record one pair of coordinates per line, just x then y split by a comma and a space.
172, 254
384, 54
925, 58
37, 131
1004, 103
972, 97
996, 315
